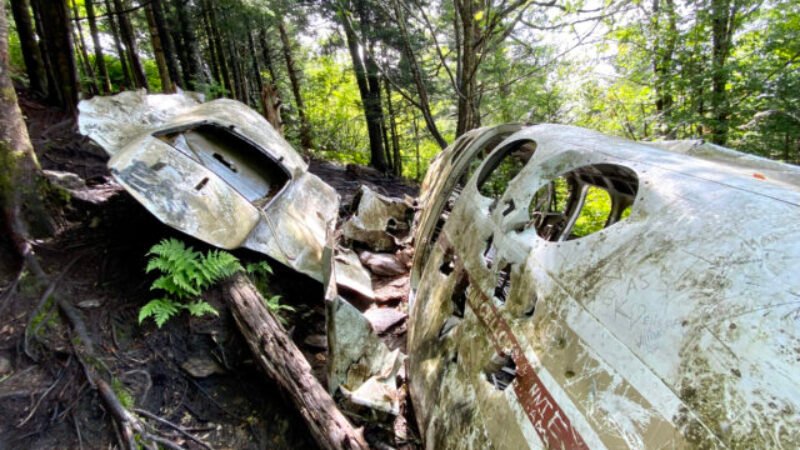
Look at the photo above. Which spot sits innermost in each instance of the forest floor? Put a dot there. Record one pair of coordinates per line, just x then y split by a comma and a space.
96, 262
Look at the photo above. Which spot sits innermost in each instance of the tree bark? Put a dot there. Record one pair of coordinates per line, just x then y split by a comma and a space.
99, 57
266, 51
20, 177
467, 86
158, 51
193, 66
398, 162
213, 57
419, 82
87, 64
121, 54
285, 364
723, 17
222, 63
305, 129
167, 44
34, 65
126, 30
377, 157
57, 35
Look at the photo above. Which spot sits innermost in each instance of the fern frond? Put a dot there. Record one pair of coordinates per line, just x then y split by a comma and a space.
200, 308
160, 309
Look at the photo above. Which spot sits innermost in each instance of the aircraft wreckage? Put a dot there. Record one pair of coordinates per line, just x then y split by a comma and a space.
665, 317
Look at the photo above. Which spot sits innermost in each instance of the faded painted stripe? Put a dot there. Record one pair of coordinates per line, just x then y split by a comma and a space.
548, 419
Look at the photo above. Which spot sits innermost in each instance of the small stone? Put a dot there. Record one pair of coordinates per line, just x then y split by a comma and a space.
319, 341
201, 367
89, 304
5, 366
382, 319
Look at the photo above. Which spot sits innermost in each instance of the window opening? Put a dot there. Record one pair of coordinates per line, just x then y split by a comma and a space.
503, 286
501, 371
503, 167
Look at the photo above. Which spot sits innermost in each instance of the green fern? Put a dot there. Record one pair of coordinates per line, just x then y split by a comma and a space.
275, 306
185, 274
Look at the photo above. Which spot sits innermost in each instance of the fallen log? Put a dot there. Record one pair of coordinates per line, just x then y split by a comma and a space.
285, 364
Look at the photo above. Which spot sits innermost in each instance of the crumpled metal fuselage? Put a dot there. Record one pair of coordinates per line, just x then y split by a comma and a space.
673, 324
216, 171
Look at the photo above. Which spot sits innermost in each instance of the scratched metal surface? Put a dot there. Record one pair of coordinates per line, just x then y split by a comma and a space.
195, 197
673, 328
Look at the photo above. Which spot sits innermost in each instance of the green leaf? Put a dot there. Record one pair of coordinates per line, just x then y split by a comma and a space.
160, 310
200, 308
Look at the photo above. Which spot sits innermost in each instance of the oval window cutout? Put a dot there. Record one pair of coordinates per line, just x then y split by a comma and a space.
582, 202
503, 166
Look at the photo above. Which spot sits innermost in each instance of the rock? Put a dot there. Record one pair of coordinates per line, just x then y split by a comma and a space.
319, 341
89, 304
64, 180
392, 290
382, 319
5, 366
383, 264
201, 367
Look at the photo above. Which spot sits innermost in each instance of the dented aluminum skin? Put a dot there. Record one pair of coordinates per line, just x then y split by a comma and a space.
673, 327
216, 171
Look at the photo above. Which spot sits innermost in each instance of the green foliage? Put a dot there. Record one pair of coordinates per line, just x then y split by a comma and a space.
185, 274
594, 214
259, 272
276, 307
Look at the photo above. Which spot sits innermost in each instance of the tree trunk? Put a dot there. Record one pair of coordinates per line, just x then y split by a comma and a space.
377, 158
20, 177
213, 57
168, 46
57, 35
663, 49
266, 51
193, 66
158, 51
285, 364
87, 64
121, 54
466, 75
99, 57
305, 129
126, 30
222, 63
34, 65
271, 102
398, 162
256, 66
723, 15
419, 83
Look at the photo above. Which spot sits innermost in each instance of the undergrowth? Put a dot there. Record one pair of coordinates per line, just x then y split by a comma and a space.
187, 273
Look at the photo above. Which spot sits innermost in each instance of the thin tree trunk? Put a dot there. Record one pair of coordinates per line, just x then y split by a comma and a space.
419, 83
416, 144
139, 78
398, 163
99, 57
60, 54
305, 129
467, 86
34, 64
174, 29
213, 57
723, 15
87, 64
168, 46
121, 54
377, 157
158, 51
256, 65
266, 51
222, 63
20, 177
193, 66
237, 77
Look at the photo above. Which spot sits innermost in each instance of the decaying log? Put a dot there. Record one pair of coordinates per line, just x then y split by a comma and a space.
286, 365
